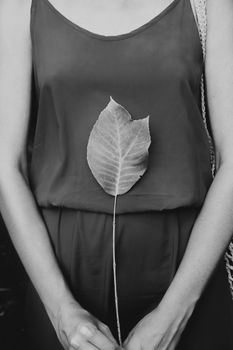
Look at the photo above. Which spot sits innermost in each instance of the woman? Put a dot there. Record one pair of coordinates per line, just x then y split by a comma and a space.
173, 226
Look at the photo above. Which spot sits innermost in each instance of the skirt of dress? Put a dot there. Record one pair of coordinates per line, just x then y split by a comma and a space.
149, 248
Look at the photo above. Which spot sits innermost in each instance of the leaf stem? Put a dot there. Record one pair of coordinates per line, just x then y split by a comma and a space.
114, 270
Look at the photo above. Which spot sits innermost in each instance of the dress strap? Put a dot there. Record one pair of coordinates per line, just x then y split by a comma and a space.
32, 16
34, 4
33, 7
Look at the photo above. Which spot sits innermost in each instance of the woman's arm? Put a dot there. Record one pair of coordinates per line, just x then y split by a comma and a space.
213, 228
17, 203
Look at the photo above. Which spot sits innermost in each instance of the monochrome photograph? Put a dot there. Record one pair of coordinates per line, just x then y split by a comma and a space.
116, 174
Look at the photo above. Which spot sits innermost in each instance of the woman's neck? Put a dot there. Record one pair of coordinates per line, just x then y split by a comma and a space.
114, 4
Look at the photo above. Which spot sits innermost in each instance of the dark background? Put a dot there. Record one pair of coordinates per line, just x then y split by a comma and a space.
13, 278
13, 283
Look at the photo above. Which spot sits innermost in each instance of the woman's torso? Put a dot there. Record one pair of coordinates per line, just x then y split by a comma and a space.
154, 69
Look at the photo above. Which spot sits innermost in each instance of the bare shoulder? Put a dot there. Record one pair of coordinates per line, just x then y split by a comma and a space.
15, 78
220, 24
19, 6
219, 74
15, 16
216, 4
15, 39
219, 11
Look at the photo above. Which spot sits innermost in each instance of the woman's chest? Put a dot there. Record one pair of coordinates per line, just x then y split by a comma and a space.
164, 50
111, 17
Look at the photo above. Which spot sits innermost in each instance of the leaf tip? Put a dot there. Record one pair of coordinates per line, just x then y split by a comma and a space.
111, 99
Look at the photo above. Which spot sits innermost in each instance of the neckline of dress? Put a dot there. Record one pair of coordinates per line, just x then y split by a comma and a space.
132, 32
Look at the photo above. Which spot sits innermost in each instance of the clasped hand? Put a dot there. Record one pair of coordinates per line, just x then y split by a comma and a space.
77, 329
156, 331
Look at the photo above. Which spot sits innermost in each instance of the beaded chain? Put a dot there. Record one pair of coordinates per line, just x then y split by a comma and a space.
201, 12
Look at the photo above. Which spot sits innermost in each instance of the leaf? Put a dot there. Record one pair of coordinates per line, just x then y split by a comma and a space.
117, 154
117, 150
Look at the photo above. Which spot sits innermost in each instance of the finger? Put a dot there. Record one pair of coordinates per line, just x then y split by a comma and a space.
105, 329
127, 341
132, 347
131, 344
75, 343
85, 346
90, 347
100, 340
94, 336
129, 337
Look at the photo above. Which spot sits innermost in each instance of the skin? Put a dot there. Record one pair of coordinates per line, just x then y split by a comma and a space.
104, 16
160, 329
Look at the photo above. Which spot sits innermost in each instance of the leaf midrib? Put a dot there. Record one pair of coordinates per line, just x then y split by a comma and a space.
121, 159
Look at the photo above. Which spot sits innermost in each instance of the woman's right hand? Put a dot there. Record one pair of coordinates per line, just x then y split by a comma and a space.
77, 329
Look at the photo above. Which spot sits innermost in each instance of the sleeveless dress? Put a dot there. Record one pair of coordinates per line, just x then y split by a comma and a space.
156, 70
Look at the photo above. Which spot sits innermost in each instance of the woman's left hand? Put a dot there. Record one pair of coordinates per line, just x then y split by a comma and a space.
158, 330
